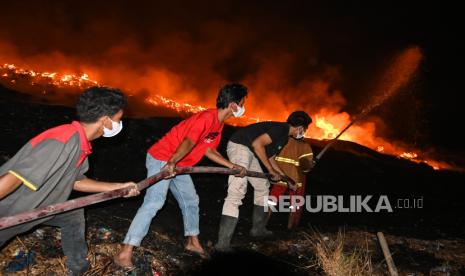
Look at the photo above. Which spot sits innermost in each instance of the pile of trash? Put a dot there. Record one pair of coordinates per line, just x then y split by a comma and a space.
34, 254
40, 253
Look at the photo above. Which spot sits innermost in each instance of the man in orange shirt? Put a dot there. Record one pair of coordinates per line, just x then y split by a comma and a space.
295, 160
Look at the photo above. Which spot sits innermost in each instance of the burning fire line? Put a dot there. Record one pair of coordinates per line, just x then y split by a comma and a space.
60, 80
10, 74
158, 100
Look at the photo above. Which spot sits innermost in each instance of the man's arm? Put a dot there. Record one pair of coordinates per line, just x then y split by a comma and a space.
216, 157
182, 150
88, 185
289, 181
8, 183
258, 146
275, 165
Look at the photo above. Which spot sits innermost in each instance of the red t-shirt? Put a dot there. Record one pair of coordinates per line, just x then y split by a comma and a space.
203, 128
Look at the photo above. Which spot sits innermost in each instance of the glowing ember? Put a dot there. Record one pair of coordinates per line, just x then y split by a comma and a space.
408, 155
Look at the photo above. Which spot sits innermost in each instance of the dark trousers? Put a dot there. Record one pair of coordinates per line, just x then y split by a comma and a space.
73, 240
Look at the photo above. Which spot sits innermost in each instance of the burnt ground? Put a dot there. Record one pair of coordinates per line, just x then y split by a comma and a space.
424, 241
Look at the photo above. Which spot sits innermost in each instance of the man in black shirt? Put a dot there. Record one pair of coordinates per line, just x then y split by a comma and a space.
263, 141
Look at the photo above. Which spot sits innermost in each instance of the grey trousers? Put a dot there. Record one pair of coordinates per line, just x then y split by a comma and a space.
237, 186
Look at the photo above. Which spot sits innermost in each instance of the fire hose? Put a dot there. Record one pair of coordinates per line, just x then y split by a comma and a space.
57, 208
53, 209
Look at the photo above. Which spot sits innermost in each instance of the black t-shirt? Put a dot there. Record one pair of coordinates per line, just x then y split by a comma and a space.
278, 132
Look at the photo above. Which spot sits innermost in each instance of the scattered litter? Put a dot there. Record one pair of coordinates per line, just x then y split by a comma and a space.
174, 260
16, 252
39, 233
443, 269
105, 233
22, 260
163, 253
295, 249
58, 234
157, 268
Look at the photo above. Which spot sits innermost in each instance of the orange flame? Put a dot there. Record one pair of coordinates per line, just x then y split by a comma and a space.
328, 122
59, 80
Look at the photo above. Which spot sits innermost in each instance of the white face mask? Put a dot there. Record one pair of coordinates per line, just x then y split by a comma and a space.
116, 128
300, 135
240, 111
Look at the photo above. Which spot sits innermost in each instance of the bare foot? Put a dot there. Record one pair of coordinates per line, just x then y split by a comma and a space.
123, 259
195, 248
197, 251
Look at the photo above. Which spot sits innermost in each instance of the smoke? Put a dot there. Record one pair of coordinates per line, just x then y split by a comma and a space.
159, 50
187, 53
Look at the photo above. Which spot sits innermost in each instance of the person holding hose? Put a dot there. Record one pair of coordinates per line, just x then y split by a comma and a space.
52, 164
183, 146
260, 141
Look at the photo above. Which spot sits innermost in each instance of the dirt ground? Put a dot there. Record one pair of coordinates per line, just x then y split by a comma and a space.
426, 241
289, 253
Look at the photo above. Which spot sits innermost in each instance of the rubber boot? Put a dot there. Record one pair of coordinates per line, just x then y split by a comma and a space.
227, 227
259, 221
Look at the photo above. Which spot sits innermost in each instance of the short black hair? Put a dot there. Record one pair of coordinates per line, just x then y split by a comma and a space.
230, 93
98, 101
299, 118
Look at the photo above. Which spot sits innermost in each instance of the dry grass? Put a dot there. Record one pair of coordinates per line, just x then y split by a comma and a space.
335, 261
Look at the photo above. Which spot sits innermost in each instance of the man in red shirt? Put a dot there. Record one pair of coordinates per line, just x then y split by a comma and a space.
184, 145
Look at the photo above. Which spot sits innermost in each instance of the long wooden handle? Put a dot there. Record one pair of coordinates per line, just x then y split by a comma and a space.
57, 208
387, 254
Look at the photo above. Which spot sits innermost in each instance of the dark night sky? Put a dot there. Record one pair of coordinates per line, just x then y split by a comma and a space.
356, 37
